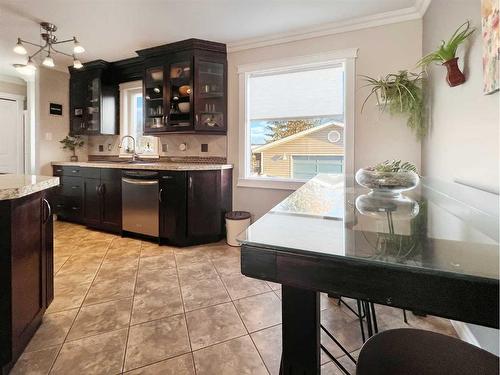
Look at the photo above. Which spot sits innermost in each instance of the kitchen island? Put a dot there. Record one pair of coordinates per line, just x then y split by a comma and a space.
26, 260
433, 250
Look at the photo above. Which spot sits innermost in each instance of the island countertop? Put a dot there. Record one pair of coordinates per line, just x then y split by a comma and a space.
13, 186
161, 166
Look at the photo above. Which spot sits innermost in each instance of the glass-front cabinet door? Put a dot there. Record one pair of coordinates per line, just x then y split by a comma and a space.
93, 105
180, 96
210, 96
154, 101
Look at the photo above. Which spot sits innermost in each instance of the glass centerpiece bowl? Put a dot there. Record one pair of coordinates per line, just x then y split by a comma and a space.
387, 182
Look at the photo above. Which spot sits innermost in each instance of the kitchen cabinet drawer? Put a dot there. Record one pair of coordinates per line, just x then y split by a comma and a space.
71, 186
111, 174
66, 171
69, 208
91, 173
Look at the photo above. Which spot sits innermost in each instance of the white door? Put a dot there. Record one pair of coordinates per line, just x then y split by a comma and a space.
11, 137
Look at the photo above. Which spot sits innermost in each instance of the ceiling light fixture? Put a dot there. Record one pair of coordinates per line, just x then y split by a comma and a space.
19, 48
77, 64
50, 41
48, 61
77, 48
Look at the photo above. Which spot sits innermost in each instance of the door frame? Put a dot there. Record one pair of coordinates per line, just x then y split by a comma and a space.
20, 128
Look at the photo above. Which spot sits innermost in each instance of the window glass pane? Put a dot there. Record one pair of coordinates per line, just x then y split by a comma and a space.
296, 123
137, 116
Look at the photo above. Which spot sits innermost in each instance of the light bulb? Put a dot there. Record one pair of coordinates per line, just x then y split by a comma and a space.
48, 61
77, 48
30, 64
24, 69
19, 48
77, 64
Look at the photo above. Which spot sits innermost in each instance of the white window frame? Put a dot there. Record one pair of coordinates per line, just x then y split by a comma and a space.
345, 57
127, 92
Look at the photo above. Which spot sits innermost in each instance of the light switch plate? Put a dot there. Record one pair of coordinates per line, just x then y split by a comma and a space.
164, 147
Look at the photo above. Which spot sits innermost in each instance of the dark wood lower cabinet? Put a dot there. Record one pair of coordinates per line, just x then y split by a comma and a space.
204, 202
102, 198
26, 272
192, 203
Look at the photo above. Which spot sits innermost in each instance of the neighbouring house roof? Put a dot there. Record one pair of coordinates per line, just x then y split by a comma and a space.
295, 136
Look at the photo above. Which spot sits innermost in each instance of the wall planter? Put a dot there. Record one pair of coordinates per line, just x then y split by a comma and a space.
400, 93
454, 77
446, 55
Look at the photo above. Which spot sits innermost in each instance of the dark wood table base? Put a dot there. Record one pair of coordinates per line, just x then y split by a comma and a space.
301, 332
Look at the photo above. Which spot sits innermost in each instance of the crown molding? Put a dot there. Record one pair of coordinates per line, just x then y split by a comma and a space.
380, 19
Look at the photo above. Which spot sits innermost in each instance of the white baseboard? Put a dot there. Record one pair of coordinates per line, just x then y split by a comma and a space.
464, 333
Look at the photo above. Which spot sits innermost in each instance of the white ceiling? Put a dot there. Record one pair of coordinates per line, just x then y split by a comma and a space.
114, 29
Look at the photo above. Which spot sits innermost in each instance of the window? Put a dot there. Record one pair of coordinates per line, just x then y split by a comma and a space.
131, 117
294, 119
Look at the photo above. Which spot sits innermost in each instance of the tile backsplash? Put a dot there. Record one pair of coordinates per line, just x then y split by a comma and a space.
170, 145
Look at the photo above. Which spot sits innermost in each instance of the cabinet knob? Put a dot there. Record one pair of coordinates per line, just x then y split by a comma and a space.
159, 194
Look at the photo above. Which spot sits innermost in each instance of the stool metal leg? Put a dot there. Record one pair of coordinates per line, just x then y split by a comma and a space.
360, 317
374, 317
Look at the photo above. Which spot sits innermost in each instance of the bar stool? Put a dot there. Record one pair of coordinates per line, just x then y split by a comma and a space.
417, 352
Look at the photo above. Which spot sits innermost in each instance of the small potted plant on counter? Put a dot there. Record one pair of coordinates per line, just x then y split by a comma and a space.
72, 143
400, 93
446, 55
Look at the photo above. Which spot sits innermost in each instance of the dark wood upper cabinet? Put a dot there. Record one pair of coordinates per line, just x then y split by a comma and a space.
210, 94
93, 100
184, 90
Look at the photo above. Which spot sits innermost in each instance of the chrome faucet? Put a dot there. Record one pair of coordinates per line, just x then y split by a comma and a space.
127, 150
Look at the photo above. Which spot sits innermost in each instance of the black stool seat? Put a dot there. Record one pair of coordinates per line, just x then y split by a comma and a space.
417, 352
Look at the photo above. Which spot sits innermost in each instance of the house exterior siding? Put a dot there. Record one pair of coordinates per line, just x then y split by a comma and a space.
277, 161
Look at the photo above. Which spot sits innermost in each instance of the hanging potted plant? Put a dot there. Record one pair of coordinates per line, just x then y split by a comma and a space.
446, 55
72, 143
400, 93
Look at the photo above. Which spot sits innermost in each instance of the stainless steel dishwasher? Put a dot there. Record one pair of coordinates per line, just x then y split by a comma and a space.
140, 204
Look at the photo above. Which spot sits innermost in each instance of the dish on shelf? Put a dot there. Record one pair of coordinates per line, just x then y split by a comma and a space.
184, 90
184, 107
157, 76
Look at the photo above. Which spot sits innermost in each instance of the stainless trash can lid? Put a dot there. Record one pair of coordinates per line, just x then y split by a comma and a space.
238, 215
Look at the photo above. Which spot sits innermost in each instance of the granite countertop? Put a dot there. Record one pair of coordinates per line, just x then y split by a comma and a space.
13, 186
163, 166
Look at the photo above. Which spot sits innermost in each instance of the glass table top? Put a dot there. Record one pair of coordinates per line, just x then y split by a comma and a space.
445, 227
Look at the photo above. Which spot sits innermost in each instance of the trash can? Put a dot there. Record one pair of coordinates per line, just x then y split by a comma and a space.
236, 222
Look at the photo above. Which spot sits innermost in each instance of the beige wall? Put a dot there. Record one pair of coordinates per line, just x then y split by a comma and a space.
464, 136
52, 86
12, 88
464, 139
382, 50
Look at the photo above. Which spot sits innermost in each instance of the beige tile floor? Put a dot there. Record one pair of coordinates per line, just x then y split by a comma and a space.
128, 306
